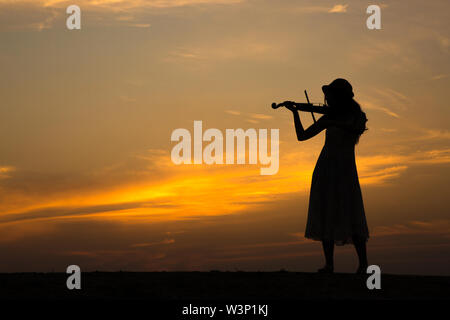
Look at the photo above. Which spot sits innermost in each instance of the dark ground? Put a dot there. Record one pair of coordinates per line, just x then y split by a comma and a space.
221, 286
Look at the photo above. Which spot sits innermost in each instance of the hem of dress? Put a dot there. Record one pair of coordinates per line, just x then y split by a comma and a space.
338, 242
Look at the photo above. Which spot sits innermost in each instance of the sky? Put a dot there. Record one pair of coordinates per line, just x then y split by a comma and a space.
86, 119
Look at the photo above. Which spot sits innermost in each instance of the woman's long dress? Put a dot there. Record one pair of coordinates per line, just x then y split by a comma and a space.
336, 210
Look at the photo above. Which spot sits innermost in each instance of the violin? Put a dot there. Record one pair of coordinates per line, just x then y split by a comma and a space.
307, 107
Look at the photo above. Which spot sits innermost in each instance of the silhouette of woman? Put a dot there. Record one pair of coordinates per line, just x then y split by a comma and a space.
336, 211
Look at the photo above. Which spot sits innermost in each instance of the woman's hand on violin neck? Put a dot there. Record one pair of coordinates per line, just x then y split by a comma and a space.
290, 105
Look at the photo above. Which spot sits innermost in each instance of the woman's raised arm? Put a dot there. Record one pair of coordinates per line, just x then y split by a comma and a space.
312, 130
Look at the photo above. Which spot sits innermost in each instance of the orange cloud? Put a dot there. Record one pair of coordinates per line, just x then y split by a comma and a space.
44, 14
434, 227
149, 244
4, 171
120, 4
193, 191
339, 8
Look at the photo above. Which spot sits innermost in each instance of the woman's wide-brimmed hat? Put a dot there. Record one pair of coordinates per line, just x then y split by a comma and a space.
339, 86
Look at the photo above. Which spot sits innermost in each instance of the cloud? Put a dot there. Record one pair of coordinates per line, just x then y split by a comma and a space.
182, 54
414, 227
382, 168
118, 4
76, 211
126, 98
374, 106
260, 116
339, 8
254, 116
233, 112
149, 244
381, 176
386, 100
5, 170
389, 130
155, 189
140, 25
393, 97
444, 42
438, 156
43, 14
440, 76
395, 55
27, 16
434, 134
247, 47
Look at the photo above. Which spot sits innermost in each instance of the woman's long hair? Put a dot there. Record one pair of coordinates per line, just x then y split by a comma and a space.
360, 121
349, 105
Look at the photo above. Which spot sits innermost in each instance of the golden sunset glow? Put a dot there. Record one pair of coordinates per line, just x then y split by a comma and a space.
87, 115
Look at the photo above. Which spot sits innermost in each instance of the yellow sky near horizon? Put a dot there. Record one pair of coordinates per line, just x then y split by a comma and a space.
87, 115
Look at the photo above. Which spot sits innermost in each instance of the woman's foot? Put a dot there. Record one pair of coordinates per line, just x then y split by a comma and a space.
326, 269
362, 269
